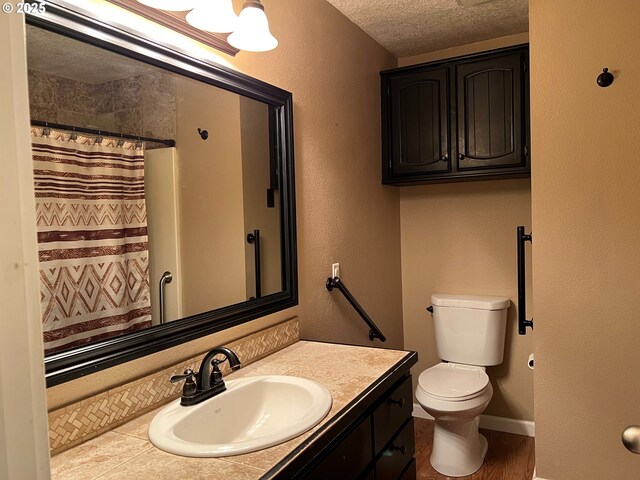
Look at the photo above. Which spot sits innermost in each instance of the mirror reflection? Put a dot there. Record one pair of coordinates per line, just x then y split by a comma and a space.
156, 194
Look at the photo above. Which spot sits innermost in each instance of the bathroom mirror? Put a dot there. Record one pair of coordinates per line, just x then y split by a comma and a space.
164, 194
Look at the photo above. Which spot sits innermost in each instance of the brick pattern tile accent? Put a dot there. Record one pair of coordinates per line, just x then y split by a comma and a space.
81, 421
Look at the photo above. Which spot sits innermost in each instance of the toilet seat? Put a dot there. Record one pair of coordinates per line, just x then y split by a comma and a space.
453, 382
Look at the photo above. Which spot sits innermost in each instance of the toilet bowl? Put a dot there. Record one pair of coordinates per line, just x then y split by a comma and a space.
469, 333
455, 396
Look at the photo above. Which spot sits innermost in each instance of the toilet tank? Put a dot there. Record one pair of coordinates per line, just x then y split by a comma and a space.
470, 329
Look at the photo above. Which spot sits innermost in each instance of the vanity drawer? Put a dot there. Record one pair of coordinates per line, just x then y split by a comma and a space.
410, 473
391, 414
349, 458
397, 455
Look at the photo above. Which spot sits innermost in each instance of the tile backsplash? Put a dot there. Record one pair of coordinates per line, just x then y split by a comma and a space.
81, 421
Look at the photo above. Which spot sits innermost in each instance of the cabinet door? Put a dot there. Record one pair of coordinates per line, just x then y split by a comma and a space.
489, 113
419, 120
398, 454
391, 414
349, 458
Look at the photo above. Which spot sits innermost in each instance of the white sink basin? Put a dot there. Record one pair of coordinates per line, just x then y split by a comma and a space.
252, 414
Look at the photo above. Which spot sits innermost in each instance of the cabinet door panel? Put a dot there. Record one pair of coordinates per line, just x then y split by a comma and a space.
349, 458
490, 108
398, 454
420, 123
391, 414
410, 473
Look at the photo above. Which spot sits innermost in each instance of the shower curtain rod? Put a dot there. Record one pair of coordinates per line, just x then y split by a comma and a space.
104, 133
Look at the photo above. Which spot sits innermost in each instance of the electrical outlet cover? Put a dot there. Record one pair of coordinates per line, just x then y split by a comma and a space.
335, 270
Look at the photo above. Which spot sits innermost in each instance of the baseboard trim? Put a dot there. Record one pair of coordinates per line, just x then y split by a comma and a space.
537, 478
500, 424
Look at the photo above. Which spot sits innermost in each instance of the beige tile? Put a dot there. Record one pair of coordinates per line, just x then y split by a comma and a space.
78, 118
281, 362
43, 89
105, 121
158, 87
103, 97
75, 96
159, 120
159, 465
129, 121
267, 458
44, 113
347, 371
138, 427
96, 456
127, 93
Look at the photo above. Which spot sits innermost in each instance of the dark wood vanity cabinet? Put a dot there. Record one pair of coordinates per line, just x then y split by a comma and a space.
460, 119
372, 438
379, 446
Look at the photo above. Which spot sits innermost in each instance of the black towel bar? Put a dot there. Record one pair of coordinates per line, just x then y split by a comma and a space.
523, 323
374, 331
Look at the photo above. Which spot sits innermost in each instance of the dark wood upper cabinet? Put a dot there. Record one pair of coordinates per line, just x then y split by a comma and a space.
490, 113
420, 122
461, 119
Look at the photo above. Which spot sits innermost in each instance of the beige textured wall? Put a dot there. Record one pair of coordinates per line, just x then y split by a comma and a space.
460, 238
468, 49
344, 214
256, 179
586, 263
210, 197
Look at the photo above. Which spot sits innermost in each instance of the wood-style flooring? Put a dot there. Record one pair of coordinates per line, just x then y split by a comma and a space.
510, 457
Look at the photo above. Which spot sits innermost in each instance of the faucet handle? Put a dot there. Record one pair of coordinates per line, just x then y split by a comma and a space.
188, 374
189, 388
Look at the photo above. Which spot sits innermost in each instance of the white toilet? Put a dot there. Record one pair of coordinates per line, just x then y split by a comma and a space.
470, 333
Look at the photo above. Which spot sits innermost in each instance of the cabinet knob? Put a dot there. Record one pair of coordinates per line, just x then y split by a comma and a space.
444, 158
631, 438
399, 402
461, 156
402, 449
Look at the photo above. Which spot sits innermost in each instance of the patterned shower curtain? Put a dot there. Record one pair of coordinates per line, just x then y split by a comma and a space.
92, 237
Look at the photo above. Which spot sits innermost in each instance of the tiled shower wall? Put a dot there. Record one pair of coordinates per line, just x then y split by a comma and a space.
144, 105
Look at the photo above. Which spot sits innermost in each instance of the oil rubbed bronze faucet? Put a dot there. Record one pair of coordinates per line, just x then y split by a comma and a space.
207, 382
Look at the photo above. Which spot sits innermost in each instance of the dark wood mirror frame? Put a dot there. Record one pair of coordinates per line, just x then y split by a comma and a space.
77, 362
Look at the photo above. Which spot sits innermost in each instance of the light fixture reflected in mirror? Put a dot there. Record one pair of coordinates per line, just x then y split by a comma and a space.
249, 30
213, 16
253, 33
171, 5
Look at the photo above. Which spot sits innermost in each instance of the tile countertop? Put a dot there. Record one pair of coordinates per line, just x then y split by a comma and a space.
126, 452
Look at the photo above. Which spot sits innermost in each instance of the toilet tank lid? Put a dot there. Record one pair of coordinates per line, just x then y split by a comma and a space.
480, 302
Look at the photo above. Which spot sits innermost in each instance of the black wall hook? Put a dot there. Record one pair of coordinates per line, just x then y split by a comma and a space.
203, 134
605, 78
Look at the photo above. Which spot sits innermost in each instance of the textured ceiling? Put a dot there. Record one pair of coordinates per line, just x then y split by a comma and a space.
64, 57
412, 27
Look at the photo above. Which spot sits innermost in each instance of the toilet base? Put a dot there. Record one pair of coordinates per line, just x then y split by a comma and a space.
458, 448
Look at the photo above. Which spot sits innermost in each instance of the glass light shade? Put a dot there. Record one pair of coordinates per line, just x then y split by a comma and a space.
213, 16
171, 5
253, 33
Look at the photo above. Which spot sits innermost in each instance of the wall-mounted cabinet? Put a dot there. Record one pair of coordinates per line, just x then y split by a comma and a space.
460, 119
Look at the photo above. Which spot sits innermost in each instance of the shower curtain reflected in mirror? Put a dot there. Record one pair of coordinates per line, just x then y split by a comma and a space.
92, 237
